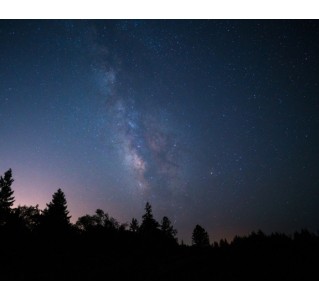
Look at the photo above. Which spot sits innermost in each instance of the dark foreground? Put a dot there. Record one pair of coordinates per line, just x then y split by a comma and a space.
44, 245
129, 256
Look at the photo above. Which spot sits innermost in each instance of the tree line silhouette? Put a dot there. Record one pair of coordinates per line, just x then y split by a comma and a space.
44, 245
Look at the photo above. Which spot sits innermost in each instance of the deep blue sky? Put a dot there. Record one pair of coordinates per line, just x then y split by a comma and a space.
212, 122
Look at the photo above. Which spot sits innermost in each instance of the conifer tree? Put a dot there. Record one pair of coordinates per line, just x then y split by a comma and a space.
200, 237
149, 224
134, 225
55, 215
167, 228
6, 196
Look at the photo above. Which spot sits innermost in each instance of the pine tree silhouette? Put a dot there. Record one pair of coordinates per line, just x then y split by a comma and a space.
167, 228
6, 196
134, 226
149, 224
200, 237
55, 215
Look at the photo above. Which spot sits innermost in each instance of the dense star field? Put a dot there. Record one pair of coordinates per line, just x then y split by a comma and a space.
213, 122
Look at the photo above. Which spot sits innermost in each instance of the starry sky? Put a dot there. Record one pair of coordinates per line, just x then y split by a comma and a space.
214, 122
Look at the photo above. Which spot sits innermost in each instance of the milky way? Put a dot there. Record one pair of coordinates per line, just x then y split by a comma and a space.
141, 135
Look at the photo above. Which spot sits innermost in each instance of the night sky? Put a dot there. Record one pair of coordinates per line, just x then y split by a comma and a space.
213, 122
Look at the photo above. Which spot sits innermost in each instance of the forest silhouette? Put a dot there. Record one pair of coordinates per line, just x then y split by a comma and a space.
44, 245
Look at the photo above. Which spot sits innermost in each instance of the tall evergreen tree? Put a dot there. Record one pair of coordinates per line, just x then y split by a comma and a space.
200, 237
6, 196
167, 228
134, 227
55, 215
149, 224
